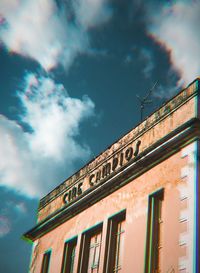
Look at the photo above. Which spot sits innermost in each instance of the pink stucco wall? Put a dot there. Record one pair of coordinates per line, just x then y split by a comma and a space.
134, 198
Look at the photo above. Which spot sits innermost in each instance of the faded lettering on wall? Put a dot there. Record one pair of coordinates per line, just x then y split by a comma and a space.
104, 171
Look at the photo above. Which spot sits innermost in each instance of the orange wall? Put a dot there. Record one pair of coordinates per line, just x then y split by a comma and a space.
148, 138
176, 176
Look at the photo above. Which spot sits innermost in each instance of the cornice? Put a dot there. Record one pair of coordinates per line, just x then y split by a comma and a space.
165, 110
147, 159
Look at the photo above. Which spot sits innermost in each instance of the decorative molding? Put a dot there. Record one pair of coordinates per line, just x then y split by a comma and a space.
165, 110
150, 157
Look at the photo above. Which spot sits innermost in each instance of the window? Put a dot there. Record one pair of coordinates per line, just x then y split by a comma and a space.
94, 253
45, 262
69, 256
114, 244
90, 250
154, 231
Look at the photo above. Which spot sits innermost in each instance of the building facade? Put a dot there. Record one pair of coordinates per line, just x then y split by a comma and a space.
135, 207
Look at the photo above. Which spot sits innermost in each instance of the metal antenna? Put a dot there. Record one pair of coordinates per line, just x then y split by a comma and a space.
145, 100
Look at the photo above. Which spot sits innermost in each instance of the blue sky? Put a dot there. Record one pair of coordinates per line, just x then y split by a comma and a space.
69, 75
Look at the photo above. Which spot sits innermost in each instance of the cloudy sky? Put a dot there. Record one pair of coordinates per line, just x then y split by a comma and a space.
70, 71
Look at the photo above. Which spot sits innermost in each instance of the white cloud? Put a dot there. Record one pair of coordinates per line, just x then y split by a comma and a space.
176, 27
20, 207
37, 29
10, 206
40, 30
91, 13
147, 59
5, 225
11, 211
42, 149
34, 161
164, 91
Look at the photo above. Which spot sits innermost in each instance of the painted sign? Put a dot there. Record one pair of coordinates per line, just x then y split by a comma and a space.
104, 171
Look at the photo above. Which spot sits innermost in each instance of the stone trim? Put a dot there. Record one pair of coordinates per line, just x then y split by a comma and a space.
153, 155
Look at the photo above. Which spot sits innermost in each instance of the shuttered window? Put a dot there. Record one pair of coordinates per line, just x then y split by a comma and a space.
69, 256
154, 233
115, 244
90, 250
46, 262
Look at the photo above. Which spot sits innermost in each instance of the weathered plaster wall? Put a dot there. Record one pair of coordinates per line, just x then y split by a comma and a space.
176, 176
172, 121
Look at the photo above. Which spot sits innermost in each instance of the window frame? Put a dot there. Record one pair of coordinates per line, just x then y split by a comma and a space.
85, 247
67, 255
46, 261
111, 242
153, 231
